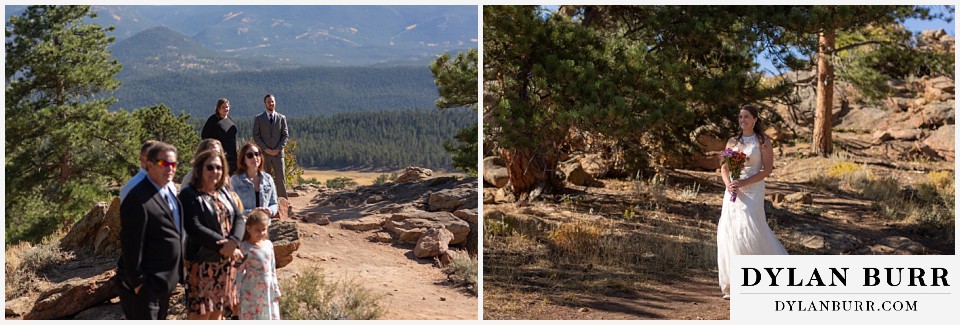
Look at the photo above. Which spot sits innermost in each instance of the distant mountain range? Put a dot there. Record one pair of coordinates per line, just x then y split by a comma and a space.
319, 60
223, 38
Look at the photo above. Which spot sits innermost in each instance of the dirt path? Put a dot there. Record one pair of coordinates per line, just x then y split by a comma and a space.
696, 297
410, 288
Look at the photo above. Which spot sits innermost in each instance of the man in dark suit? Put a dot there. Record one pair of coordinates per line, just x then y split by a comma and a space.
270, 134
151, 253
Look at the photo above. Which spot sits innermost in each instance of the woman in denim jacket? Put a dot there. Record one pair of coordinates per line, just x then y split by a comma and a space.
254, 187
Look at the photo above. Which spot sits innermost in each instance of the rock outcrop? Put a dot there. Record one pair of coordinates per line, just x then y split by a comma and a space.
942, 141
495, 171
434, 242
409, 227
404, 211
286, 241
98, 230
452, 199
413, 174
74, 296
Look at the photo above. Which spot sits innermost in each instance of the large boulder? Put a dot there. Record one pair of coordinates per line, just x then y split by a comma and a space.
936, 114
410, 226
595, 165
939, 88
824, 241
468, 215
575, 174
74, 296
283, 209
865, 118
894, 245
799, 197
452, 199
936, 40
906, 134
942, 141
286, 241
433, 242
504, 195
99, 229
489, 194
413, 174
495, 171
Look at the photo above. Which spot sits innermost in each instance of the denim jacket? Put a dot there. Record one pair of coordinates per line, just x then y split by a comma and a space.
244, 188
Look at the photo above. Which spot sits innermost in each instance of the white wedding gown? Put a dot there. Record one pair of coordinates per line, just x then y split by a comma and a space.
743, 228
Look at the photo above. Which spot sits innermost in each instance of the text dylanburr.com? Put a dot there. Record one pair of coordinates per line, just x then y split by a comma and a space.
837, 288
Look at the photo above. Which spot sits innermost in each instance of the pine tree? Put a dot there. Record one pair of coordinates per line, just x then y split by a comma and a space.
813, 30
648, 76
158, 123
62, 145
457, 84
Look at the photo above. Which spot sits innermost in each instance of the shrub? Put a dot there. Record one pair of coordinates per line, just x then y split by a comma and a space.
463, 271
496, 228
825, 182
381, 179
25, 262
942, 181
310, 180
578, 239
341, 182
843, 168
310, 296
880, 189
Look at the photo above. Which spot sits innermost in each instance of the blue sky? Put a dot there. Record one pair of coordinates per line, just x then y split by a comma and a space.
914, 25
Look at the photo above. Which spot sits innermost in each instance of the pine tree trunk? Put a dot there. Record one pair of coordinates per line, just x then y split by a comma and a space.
526, 170
823, 121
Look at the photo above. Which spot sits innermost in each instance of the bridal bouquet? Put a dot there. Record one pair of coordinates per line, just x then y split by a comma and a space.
734, 161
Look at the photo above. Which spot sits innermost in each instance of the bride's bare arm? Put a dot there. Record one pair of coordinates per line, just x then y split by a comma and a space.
766, 150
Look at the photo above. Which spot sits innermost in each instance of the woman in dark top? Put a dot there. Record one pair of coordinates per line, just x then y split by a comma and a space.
214, 223
221, 127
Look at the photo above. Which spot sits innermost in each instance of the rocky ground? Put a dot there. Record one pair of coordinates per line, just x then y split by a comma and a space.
318, 228
674, 277
644, 248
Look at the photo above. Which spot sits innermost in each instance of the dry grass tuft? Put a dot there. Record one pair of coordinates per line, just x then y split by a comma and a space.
25, 263
311, 296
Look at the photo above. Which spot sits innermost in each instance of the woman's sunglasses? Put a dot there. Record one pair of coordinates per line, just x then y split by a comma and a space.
251, 154
214, 167
164, 163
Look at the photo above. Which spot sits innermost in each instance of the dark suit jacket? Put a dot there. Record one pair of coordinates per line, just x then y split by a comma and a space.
203, 229
270, 136
150, 242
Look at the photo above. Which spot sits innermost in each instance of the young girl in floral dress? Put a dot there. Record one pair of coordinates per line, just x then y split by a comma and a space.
257, 285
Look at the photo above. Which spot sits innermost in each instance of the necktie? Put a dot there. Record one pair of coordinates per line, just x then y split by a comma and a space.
271, 118
173, 207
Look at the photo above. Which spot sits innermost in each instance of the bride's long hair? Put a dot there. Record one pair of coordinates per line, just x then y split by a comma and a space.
757, 127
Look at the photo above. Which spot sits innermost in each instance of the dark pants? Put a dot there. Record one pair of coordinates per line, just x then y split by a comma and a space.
273, 165
147, 304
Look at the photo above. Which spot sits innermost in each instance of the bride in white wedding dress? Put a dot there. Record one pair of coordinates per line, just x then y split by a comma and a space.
743, 228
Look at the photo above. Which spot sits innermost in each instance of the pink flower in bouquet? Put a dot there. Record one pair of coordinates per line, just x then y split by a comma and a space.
734, 161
